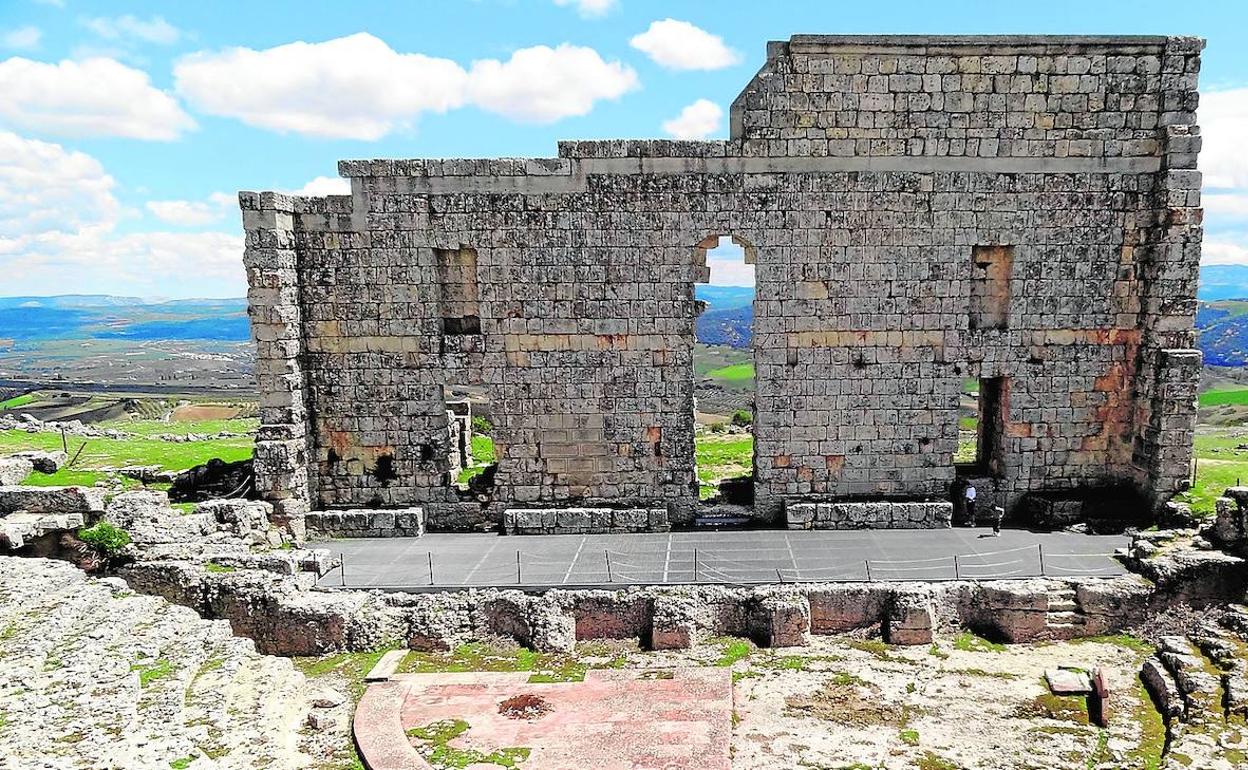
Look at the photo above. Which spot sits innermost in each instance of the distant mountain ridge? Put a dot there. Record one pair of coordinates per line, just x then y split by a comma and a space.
86, 316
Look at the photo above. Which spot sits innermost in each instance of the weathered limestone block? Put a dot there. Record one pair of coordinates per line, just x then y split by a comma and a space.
909, 618
85, 500
14, 470
402, 522
44, 462
869, 515
1162, 688
582, 521
674, 625
836, 609
783, 619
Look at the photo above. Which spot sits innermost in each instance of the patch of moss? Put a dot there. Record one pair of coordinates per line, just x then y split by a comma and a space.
749, 673
909, 737
150, 673
981, 672
218, 568
1147, 753
930, 761
181, 763
936, 652
968, 642
877, 648
437, 752
1063, 708
732, 650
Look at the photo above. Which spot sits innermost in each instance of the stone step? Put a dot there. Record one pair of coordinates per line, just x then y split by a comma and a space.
386, 667
1064, 605
1065, 618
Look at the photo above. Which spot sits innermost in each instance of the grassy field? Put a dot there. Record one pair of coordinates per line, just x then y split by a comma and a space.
1220, 463
722, 456
16, 401
1236, 395
707, 358
734, 374
482, 451
100, 453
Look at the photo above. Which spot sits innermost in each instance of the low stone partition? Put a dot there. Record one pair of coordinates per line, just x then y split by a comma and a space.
365, 522
84, 500
869, 515
583, 521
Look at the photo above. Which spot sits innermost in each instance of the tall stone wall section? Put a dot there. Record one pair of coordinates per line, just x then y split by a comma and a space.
863, 174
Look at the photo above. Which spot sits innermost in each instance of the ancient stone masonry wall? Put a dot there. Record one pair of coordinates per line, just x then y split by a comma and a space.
889, 190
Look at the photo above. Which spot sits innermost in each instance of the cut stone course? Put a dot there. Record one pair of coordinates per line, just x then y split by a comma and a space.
919, 210
872, 515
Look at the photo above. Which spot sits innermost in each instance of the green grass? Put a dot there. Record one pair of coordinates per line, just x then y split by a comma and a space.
543, 667
16, 401
1219, 464
1224, 395
181, 763
968, 642
732, 650
179, 428
116, 453
733, 373
150, 673
482, 452
909, 737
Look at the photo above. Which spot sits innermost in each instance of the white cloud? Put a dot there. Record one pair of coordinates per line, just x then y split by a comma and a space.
1223, 252
542, 85
22, 38
353, 87
96, 97
357, 87
1223, 118
58, 217
192, 213
696, 121
589, 8
325, 185
154, 30
680, 45
1224, 207
728, 266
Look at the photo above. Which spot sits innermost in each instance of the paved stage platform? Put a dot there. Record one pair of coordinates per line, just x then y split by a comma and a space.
736, 557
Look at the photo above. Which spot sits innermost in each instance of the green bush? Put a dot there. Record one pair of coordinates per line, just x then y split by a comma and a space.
482, 426
742, 417
105, 537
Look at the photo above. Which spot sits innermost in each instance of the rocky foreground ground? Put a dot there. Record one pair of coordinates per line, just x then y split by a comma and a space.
95, 676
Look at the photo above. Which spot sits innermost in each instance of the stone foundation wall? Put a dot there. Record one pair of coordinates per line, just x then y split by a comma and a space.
401, 522
873, 515
583, 521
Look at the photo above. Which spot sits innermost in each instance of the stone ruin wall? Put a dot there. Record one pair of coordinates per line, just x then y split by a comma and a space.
920, 210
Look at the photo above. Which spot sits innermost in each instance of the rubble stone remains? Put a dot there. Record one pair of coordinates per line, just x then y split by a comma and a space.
1020, 211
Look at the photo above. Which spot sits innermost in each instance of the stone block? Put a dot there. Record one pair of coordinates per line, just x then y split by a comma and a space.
85, 500
909, 619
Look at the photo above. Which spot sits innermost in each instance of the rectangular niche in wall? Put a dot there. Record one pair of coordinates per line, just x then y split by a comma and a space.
458, 301
990, 286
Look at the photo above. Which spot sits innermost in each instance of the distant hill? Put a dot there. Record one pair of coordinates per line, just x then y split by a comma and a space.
726, 297
71, 317
1218, 282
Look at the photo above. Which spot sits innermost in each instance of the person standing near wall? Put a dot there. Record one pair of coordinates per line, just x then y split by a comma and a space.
969, 495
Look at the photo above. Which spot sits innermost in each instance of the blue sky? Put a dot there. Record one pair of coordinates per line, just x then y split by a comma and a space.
127, 127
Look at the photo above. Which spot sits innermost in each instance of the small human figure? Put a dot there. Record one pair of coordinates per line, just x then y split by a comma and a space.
970, 504
998, 513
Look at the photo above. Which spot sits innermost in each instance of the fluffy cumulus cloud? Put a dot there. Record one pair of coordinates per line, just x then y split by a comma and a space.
353, 87
95, 97
1223, 120
192, 213
696, 121
58, 232
22, 38
542, 84
679, 45
357, 87
154, 30
589, 8
325, 185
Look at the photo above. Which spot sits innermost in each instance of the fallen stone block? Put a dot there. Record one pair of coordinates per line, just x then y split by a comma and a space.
44, 462
14, 470
84, 500
1068, 681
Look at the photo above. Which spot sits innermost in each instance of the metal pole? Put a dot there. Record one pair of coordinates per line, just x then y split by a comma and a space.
517, 568
778, 575
1040, 550
342, 568
64, 441
695, 565
957, 573
607, 553
868, 563
431, 568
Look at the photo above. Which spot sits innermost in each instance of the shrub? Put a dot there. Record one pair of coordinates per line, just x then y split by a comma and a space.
482, 426
105, 537
742, 418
